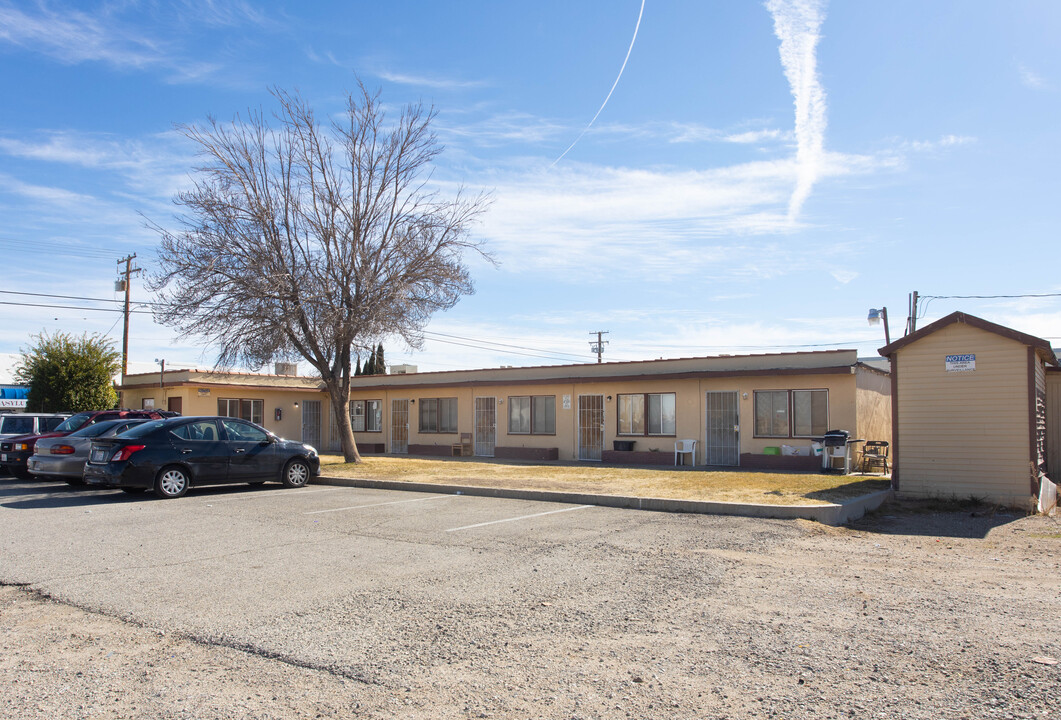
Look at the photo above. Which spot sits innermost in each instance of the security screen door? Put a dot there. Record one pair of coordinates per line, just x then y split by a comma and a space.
311, 422
722, 443
485, 426
399, 426
590, 427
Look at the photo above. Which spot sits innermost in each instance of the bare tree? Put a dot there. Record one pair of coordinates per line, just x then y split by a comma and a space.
315, 241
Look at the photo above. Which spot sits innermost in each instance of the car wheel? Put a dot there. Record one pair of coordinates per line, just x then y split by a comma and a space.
171, 482
20, 473
296, 473
133, 491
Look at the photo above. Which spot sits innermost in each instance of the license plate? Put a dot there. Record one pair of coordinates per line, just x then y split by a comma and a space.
99, 455
3, 457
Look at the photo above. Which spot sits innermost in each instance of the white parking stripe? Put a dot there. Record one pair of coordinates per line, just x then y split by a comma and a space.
267, 493
522, 517
393, 502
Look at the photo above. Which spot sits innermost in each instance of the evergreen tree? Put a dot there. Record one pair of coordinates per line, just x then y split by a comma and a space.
370, 364
380, 367
357, 368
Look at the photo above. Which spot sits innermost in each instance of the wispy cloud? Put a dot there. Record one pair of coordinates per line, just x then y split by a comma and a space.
929, 146
72, 36
42, 193
757, 136
629, 221
797, 24
438, 83
224, 13
1031, 79
515, 127
155, 166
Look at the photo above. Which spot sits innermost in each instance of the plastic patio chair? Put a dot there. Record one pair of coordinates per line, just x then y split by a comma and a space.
681, 447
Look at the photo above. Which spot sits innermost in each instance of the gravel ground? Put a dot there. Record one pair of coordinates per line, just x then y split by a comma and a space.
909, 614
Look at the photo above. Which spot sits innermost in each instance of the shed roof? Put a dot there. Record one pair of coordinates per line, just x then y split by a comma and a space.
1042, 347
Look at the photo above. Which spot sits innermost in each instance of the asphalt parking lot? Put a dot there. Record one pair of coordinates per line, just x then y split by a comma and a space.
481, 607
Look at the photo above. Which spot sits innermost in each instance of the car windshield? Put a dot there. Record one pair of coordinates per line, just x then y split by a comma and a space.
73, 422
145, 429
14, 425
97, 429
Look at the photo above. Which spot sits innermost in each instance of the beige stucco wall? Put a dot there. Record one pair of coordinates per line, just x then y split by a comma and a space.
964, 434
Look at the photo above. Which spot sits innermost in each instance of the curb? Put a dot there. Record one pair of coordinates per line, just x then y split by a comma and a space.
825, 513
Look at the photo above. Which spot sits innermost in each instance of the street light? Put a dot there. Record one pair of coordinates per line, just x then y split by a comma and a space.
875, 317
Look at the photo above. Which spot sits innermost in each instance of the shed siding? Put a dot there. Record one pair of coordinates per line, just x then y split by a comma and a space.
1053, 424
964, 433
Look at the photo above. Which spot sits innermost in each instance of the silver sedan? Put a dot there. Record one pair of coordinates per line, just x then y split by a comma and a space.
63, 458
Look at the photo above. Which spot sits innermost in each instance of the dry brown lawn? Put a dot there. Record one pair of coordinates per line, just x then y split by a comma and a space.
774, 488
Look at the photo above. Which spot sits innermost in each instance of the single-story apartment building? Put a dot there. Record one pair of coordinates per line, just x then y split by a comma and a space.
738, 408
282, 403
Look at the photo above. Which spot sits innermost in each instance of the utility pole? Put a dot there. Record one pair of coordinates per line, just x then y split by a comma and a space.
598, 347
123, 284
911, 321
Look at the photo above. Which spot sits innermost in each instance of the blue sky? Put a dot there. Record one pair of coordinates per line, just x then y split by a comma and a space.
761, 175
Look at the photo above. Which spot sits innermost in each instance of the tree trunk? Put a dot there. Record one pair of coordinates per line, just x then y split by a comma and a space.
340, 408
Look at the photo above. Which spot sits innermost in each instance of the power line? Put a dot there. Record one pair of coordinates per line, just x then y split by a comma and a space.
929, 298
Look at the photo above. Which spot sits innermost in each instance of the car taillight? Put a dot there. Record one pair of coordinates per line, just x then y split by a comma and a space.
125, 452
62, 450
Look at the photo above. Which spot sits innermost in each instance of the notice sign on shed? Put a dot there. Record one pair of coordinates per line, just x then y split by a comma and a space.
961, 363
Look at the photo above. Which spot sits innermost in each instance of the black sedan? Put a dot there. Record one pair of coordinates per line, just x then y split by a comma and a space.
171, 455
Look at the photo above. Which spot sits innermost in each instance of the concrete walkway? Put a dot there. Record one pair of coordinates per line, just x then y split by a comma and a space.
825, 513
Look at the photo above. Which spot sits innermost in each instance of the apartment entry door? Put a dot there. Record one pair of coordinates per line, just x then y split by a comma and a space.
722, 442
399, 426
485, 426
590, 427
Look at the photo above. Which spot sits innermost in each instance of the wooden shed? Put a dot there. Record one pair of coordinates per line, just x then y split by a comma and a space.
969, 411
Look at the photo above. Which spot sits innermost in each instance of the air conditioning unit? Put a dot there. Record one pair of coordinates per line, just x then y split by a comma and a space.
284, 368
402, 369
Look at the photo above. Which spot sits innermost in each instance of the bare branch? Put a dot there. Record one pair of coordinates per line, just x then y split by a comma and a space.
312, 240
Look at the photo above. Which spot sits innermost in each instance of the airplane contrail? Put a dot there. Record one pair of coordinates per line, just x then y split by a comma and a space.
797, 24
627, 58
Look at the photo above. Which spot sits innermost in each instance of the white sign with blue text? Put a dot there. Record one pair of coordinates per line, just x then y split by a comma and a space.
961, 363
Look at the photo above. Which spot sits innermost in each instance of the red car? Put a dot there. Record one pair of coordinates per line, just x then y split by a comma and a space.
16, 451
